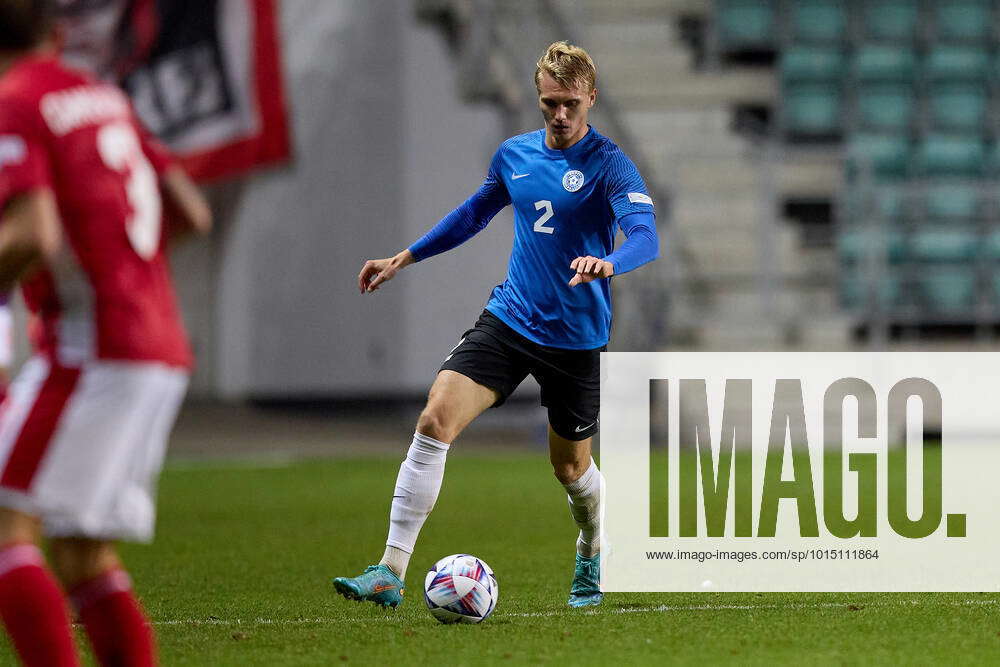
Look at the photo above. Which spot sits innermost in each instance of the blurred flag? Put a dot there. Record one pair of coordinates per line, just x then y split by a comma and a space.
205, 75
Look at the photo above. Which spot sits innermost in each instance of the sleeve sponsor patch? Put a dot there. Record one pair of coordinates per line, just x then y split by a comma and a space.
640, 198
12, 149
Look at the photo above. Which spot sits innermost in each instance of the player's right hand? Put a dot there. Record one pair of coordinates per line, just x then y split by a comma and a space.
374, 273
377, 271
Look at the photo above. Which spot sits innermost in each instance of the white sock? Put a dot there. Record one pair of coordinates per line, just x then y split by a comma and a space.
416, 491
396, 559
585, 504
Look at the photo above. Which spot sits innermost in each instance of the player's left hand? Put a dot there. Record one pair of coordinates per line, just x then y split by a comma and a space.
590, 268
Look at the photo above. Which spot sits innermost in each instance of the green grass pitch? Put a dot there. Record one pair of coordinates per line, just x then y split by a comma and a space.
240, 575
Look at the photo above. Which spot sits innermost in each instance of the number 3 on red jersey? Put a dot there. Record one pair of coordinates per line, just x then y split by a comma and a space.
121, 151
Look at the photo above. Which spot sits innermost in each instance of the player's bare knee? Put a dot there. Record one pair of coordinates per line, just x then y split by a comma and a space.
17, 527
76, 560
434, 424
567, 472
564, 473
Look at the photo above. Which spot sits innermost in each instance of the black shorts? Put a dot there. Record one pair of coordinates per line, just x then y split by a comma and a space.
495, 356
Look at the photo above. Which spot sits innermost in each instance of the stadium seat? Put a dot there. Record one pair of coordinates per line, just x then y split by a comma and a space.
884, 63
890, 20
991, 248
818, 21
886, 204
885, 155
885, 107
948, 290
996, 289
993, 160
855, 245
935, 244
746, 24
957, 106
856, 291
951, 203
944, 155
812, 109
961, 20
805, 63
957, 63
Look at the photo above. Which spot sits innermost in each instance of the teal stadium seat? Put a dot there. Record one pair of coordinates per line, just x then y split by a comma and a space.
856, 291
935, 244
811, 109
855, 244
885, 204
991, 251
884, 63
957, 63
961, 20
746, 24
887, 156
818, 21
950, 290
991, 248
808, 63
885, 106
993, 160
957, 105
945, 155
996, 289
890, 20
951, 202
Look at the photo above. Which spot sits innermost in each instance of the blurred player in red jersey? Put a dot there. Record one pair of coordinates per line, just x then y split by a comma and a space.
85, 424
6, 344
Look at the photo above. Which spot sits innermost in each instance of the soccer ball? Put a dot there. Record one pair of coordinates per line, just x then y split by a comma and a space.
461, 589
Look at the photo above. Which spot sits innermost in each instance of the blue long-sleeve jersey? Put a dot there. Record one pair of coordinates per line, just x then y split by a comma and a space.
567, 204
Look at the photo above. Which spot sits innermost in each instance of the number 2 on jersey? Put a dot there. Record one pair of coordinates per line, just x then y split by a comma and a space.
540, 223
119, 148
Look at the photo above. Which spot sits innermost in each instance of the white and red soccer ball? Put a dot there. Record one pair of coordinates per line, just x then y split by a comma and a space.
461, 589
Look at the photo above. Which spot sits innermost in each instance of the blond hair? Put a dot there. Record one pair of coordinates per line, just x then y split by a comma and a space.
569, 65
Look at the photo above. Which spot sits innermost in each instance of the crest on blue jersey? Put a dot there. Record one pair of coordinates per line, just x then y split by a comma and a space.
573, 180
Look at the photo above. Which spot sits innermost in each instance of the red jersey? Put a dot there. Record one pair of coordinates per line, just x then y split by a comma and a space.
108, 295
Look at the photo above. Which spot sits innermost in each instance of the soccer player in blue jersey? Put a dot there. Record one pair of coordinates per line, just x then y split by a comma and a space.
571, 189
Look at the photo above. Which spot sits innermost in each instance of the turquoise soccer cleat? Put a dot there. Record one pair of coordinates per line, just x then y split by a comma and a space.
586, 588
376, 584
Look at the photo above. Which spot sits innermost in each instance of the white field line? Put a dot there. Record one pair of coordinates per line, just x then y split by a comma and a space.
657, 609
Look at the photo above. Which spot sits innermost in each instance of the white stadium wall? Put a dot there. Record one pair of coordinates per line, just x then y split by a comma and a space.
383, 148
